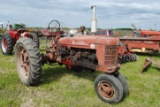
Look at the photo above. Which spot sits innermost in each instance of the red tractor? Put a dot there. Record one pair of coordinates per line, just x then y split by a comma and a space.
144, 41
10, 37
144, 33
78, 52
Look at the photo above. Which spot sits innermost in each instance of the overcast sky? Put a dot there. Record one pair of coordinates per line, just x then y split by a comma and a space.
144, 14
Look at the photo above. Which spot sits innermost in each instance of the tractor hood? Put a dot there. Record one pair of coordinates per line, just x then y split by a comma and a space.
88, 42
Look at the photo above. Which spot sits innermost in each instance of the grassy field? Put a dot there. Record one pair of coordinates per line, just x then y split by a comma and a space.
62, 88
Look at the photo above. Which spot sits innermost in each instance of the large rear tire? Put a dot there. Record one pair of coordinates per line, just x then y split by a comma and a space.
35, 38
6, 44
108, 88
28, 61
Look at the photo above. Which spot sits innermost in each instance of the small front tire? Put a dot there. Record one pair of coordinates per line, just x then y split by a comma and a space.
122, 79
108, 88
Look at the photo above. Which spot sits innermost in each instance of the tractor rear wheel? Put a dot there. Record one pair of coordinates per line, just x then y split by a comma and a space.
108, 88
35, 38
6, 44
28, 61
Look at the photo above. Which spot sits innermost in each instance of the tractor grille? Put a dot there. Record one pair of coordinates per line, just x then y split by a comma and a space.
111, 53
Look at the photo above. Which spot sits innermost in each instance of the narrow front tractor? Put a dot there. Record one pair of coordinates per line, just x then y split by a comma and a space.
10, 37
77, 52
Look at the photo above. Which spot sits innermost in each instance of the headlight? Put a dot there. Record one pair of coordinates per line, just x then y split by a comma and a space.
92, 46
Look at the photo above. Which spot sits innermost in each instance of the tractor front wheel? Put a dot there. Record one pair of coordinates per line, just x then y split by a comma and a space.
28, 61
6, 44
122, 79
108, 88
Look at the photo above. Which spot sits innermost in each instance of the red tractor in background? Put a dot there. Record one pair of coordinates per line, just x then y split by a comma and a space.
144, 41
77, 52
10, 37
124, 54
144, 33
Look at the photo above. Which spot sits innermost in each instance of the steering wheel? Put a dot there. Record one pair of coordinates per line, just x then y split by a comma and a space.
54, 26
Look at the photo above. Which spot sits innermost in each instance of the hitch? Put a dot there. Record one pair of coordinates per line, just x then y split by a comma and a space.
148, 62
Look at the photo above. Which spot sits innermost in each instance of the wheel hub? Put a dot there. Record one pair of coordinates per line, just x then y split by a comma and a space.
4, 44
106, 90
24, 62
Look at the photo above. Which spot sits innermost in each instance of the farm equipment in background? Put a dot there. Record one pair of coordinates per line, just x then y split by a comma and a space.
144, 41
144, 33
10, 37
148, 62
2, 29
78, 52
105, 32
124, 54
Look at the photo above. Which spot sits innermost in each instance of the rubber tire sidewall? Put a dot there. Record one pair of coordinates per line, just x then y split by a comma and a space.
115, 83
34, 58
122, 79
35, 38
10, 44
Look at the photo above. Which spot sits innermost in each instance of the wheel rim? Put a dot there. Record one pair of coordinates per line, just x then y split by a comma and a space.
4, 44
106, 90
23, 62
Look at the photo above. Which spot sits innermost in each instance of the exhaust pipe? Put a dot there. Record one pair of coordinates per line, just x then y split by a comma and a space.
8, 26
94, 21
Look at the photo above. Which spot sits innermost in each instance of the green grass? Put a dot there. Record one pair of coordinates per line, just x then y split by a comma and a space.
62, 88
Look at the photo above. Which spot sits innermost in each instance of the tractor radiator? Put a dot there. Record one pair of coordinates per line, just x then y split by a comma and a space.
111, 54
